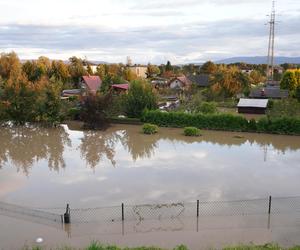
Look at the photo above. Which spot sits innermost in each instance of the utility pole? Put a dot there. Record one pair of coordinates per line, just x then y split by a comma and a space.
270, 64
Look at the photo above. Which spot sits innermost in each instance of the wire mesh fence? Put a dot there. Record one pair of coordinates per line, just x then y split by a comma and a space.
164, 211
186, 209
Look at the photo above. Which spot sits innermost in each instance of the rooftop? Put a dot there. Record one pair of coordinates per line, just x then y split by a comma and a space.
253, 103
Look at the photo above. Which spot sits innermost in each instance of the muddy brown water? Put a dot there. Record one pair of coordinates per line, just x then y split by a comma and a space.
48, 168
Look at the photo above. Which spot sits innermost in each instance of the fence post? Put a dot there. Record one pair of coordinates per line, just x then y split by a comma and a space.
122, 211
197, 208
67, 215
270, 204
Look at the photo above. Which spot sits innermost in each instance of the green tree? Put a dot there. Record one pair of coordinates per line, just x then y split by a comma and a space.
169, 67
76, 69
95, 111
20, 99
140, 97
289, 81
49, 106
297, 93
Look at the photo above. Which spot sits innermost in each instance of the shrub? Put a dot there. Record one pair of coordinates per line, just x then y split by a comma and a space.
208, 108
140, 97
191, 131
74, 113
227, 122
150, 129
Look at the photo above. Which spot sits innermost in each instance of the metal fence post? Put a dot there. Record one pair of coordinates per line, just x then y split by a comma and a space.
270, 204
67, 215
122, 211
197, 208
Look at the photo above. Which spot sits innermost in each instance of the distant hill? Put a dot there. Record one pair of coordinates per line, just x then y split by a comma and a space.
260, 60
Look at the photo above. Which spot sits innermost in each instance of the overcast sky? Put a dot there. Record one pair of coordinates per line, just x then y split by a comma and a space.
153, 31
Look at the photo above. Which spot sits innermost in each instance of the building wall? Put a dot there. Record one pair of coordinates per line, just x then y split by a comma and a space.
140, 71
176, 84
251, 110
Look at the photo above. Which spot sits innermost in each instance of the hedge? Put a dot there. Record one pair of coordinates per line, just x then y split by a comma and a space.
226, 122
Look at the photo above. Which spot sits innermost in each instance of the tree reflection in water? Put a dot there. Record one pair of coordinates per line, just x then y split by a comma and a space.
96, 144
23, 146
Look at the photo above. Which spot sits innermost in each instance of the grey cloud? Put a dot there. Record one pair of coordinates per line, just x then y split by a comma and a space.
235, 37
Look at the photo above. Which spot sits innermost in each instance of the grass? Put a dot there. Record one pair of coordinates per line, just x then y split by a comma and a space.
98, 246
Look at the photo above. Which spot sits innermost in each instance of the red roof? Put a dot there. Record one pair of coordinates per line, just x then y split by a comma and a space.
124, 86
92, 82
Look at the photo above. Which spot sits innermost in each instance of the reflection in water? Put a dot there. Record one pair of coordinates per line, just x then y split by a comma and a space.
23, 146
95, 145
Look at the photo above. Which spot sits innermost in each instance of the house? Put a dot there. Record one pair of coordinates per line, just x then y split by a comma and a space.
179, 82
273, 92
71, 92
201, 80
120, 88
139, 70
159, 82
247, 71
91, 84
252, 106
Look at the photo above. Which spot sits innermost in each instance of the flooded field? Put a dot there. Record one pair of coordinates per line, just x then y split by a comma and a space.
48, 168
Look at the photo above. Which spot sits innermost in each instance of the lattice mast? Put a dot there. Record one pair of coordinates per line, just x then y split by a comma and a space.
270, 63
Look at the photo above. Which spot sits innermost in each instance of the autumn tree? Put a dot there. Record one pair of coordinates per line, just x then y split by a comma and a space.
256, 77
60, 71
229, 81
208, 68
101, 70
129, 75
10, 65
152, 70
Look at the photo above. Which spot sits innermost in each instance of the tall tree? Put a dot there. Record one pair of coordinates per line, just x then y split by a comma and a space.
10, 65
169, 66
208, 68
152, 70
76, 69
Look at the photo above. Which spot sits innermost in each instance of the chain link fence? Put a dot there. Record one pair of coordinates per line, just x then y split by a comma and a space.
164, 211
186, 209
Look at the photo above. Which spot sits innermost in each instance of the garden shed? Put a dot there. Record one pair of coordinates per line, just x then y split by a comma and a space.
252, 106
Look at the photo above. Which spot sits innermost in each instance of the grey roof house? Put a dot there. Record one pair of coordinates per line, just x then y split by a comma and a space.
269, 92
201, 80
252, 106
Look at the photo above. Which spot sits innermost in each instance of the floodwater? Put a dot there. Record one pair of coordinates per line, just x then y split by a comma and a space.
48, 168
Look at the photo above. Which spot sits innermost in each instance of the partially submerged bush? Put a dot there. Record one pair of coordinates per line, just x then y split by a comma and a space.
150, 129
192, 131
